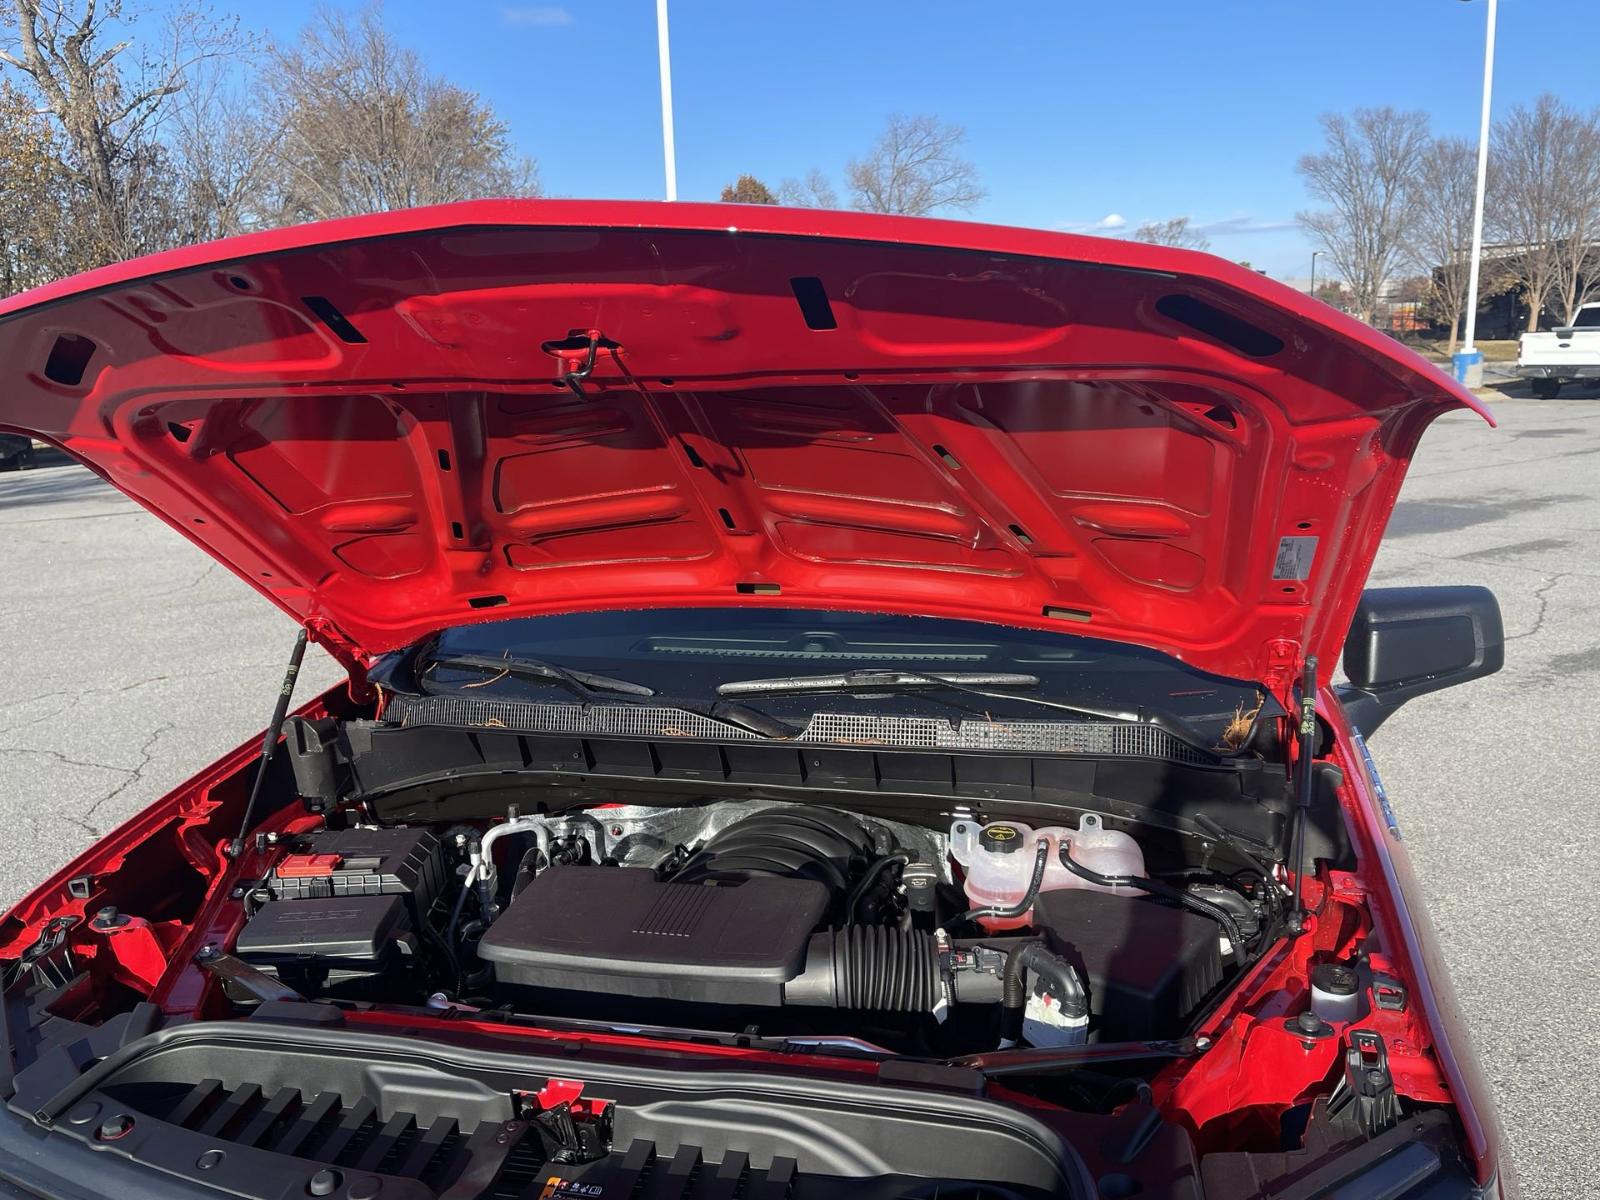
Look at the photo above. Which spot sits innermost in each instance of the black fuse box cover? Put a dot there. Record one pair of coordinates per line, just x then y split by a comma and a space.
1148, 964
343, 934
371, 862
620, 930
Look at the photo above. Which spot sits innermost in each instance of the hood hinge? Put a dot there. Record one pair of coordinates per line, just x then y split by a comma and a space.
328, 635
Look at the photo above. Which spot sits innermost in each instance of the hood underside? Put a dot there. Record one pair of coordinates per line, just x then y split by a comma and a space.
380, 423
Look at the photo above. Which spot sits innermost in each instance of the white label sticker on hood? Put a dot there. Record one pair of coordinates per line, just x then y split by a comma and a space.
1294, 557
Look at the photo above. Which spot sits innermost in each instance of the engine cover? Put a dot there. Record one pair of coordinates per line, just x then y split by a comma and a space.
622, 931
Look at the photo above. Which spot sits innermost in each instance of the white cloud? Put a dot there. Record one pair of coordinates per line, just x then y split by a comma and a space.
534, 16
1106, 224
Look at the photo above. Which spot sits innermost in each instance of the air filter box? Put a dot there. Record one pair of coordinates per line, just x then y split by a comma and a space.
1149, 965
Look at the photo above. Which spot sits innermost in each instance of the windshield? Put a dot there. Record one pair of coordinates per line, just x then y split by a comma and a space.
687, 653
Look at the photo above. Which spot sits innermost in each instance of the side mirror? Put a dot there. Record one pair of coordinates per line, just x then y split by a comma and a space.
1405, 642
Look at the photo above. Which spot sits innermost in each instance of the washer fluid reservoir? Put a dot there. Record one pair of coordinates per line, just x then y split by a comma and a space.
999, 858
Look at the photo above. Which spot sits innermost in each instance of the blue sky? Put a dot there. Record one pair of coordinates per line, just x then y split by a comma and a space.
1075, 112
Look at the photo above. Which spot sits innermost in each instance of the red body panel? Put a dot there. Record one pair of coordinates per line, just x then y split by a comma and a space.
989, 423
1000, 425
1394, 896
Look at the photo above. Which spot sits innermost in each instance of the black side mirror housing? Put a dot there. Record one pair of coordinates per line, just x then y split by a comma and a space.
1406, 642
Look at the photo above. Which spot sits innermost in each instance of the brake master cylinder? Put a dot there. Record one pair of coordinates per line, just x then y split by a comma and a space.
999, 860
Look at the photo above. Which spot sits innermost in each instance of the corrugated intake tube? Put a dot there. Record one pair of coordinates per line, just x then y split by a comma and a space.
869, 968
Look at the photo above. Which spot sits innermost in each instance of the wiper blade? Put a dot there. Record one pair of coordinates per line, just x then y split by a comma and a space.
587, 685
580, 683
875, 681
974, 683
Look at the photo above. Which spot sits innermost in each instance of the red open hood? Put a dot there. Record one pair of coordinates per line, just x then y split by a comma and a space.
365, 420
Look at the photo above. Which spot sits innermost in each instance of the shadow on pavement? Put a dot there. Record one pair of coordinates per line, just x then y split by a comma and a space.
1513, 388
53, 477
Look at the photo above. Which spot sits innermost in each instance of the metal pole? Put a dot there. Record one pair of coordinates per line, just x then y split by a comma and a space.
666, 100
1483, 181
1313, 292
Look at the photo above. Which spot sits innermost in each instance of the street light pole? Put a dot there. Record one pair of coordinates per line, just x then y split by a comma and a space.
666, 100
1313, 292
1469, 360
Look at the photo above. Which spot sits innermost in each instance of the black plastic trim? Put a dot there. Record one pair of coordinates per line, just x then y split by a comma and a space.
1407, 642
437, 773
672, 1099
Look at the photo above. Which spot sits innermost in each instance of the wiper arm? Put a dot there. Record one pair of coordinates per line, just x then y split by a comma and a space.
975, 683
586, 685
579, 683
870, 680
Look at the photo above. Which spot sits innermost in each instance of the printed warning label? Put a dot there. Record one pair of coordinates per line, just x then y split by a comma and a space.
1295, 555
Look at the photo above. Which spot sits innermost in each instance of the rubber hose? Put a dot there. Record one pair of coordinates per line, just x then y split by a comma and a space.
872, 873
473, 846
1032, 956
1193, 903
1040, 862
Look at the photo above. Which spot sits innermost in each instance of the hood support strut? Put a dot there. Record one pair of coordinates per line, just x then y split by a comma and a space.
269, 740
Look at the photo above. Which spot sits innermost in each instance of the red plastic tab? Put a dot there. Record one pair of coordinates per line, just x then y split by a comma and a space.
568, 1091
303, 866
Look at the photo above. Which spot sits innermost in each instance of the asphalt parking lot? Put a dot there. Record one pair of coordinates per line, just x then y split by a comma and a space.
132, 660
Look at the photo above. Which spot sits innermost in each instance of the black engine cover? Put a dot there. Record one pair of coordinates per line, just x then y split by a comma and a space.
622, 931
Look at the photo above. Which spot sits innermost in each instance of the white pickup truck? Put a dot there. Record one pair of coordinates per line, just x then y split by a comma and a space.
1563, 355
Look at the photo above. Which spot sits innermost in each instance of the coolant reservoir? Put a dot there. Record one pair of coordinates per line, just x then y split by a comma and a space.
999, 859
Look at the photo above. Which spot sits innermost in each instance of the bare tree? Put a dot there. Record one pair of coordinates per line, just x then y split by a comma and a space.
747, 189
1441, 245
814, 191
915, 169
1175, 232
110, 95
1546, 203
1367, 175
221, 147
1575, 264
366, 127
33, 248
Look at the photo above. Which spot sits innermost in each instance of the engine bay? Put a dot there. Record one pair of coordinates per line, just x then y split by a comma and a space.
1114, 947
795, 921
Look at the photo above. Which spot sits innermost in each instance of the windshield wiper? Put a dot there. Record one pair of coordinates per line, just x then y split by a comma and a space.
579, 683
975, 683
587, 685
875, 680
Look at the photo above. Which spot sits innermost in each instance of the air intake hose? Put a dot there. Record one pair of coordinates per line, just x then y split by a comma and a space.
870, 969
